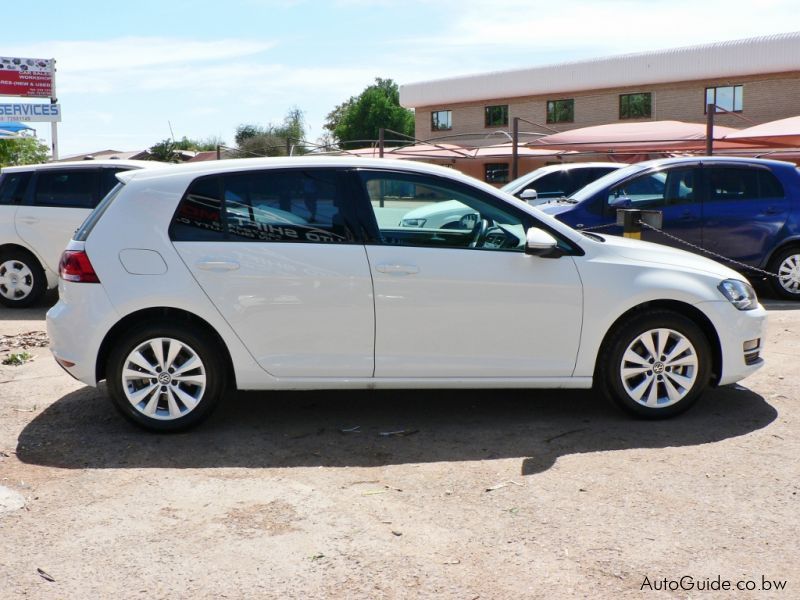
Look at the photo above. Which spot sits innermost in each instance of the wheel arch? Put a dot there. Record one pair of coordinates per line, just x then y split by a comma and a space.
682, 308
174, 315
792, 242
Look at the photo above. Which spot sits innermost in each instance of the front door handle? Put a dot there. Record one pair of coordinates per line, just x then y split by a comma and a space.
396, 269
215, 264
28, 220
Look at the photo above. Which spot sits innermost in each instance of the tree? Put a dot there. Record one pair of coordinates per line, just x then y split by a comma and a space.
359, 119
167, 150
164, 151
22, 151
272, 140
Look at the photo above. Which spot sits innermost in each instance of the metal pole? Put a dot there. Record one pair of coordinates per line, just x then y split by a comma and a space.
515, 150
710, 110
288, 146
219, 152
54, 124
381, 134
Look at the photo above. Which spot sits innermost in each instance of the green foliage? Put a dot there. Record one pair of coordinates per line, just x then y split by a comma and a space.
22, 151
358, 120
15, 359
164, 151
271, 140
167, 150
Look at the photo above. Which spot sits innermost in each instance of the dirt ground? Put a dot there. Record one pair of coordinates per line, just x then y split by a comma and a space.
521, 494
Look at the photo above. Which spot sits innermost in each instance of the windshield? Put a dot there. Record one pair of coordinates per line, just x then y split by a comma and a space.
607, 179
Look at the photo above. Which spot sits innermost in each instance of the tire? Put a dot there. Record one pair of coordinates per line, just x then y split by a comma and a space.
655, 386
787, 265
22, 279
167, 396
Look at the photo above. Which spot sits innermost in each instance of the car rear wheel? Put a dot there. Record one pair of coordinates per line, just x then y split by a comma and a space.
22, 279
165, 378
787, 266
656, 364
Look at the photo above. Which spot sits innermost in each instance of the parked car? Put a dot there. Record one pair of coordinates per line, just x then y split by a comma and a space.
41, 206
537, 187
186, 282
745, 209
557, 181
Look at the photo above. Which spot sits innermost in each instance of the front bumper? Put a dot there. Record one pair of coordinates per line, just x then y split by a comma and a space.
735, 328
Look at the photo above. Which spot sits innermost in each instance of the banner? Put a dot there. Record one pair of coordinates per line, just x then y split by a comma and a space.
27, 77
40, 113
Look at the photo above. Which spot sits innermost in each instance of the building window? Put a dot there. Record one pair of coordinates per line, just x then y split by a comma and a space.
635, 106
441, 120
496, 116
727, 98
495, 172
561, 111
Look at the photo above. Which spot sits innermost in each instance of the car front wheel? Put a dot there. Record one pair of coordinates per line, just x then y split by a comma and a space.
22, 279
656, 364
165, 378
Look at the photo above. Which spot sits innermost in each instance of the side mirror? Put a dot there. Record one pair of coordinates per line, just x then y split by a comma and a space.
539, 243
528, 195
619, 200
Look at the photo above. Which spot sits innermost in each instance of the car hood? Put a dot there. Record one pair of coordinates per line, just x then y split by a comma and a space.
650, 253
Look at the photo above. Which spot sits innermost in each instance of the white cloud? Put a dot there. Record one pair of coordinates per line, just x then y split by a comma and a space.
94, 57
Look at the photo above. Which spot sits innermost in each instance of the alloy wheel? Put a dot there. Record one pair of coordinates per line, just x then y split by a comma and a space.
659, 368
163, 378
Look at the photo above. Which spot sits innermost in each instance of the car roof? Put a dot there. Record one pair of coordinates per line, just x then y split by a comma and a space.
216, 167
664, 162
581, 165
86, 164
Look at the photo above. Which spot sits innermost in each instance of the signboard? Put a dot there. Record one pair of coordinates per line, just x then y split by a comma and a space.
29, 113
27, 77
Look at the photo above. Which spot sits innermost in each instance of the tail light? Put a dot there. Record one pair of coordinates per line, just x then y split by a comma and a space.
75, 266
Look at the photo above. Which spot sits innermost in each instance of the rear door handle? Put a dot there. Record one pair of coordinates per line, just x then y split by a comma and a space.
396, 269
28, 220
215, 264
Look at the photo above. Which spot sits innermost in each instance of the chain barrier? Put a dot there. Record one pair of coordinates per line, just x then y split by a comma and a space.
690, 244
709, 252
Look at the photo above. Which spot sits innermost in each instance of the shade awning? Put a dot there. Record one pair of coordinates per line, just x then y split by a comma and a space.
640, 136
783, 132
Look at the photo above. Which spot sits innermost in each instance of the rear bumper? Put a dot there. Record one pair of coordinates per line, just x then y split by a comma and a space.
76, 330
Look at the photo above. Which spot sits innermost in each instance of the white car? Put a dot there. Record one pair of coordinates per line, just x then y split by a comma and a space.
558, 181
185, 283
537, 187
41, 206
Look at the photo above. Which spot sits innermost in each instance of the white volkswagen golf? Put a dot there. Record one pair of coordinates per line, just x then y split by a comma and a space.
290, 274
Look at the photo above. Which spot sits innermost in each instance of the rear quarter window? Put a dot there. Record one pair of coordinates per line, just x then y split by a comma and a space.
13, 187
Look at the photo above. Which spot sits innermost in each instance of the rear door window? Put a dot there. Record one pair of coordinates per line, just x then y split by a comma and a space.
307, 205
68, 188
736, 183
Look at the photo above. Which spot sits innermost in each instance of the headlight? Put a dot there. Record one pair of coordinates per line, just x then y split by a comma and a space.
740, 294
413, 222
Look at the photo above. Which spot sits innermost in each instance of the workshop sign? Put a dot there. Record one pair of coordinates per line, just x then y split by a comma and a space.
30, 113
27, 77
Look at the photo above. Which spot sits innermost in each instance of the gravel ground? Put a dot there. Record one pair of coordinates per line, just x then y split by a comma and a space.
485, 494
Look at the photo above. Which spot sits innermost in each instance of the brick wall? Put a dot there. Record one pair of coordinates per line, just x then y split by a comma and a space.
766, 98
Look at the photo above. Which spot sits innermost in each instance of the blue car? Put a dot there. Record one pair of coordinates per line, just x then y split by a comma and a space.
744, 209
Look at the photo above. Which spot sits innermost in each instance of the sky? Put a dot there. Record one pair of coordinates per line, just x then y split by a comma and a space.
131, 74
